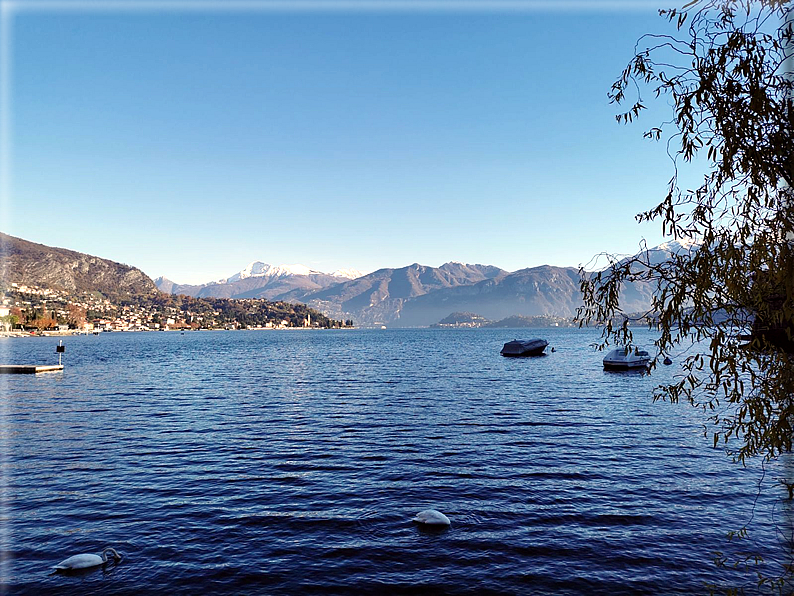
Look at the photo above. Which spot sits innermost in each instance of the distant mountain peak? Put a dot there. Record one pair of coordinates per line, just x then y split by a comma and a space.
347, 273
262, 280
677, 246
296, 269
260, 269
164, 284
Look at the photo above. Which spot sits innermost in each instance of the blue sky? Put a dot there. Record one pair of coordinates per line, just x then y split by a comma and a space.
189, 141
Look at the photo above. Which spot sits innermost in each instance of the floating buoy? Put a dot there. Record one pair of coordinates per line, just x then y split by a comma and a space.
431, 517
85, 561
667, 361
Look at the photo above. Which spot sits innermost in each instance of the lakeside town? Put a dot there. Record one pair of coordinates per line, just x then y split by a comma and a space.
32, 310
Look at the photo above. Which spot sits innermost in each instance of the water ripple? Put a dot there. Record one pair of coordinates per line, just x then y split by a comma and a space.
293, 463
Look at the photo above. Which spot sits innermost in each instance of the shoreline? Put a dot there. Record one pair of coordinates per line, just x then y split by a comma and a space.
73, 332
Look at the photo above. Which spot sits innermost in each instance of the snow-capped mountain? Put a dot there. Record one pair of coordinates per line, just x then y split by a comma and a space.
260, 269
653, 256
348, 273
261, 280
666, 250
677, 246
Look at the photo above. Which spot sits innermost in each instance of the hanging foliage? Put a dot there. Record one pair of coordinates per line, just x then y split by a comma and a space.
727, 76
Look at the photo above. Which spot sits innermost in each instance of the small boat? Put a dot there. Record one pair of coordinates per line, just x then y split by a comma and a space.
524, 347
625, 359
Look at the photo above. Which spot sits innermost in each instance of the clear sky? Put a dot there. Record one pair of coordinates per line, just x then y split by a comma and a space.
190, 139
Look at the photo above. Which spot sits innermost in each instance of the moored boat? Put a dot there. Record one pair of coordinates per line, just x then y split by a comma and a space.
625, 359
524, 347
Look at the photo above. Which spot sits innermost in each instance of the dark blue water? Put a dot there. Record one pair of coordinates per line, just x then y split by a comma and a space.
292, 462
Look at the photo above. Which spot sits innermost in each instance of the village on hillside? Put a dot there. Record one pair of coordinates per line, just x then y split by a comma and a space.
26, 310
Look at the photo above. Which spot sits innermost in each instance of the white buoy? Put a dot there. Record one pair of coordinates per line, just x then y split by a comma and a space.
431, 517
86, 560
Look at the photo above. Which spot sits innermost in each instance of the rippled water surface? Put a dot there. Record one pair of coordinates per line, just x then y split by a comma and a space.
292, 462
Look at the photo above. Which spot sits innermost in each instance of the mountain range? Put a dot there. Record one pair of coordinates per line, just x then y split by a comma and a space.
418, 295
412, 296
260, 280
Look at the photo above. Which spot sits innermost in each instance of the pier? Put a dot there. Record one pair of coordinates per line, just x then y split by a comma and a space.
28, 369
32, 369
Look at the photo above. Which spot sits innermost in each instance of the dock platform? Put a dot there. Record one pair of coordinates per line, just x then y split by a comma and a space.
28, 369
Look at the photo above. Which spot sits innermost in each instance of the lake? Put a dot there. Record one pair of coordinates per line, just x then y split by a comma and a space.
292, 462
